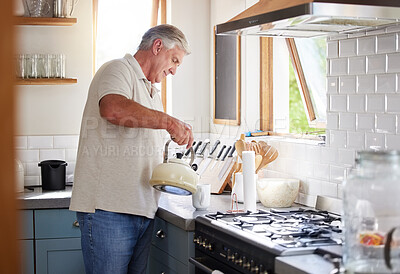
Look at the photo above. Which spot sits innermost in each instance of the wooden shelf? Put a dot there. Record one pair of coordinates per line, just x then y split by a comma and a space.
46, 81
45, 21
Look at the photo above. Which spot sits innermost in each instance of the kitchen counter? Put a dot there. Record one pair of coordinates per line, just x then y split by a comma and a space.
178, 210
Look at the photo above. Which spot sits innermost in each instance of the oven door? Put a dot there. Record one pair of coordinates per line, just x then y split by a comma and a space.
205, 264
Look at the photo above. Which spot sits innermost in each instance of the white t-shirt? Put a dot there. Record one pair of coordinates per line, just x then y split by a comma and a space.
115, 163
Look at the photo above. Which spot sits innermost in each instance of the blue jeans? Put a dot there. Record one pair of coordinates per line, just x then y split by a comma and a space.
115, 243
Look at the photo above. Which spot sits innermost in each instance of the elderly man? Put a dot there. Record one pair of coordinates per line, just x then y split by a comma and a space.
121, 141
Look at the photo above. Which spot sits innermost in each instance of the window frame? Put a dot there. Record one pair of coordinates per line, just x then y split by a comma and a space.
266, 89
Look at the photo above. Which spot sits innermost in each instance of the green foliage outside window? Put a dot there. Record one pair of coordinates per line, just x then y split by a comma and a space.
297, 115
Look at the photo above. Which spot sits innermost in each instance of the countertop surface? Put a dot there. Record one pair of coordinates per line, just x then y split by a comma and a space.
179, 211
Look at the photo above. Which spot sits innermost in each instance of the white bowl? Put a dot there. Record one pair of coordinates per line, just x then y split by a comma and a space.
277, 192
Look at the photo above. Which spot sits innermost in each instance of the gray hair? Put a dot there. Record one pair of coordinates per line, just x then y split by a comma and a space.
170, 35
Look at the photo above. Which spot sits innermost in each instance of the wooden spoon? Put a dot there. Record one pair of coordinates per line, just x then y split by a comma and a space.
270, 155
240, 146
258, 160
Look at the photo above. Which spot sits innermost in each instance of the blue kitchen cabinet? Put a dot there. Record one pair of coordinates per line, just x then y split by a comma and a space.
57, 242
170, 250
25, 242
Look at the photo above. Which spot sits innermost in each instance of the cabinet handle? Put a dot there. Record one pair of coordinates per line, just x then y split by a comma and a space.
75, 223
160, 234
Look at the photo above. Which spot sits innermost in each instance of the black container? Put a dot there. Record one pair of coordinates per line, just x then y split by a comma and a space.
53, 174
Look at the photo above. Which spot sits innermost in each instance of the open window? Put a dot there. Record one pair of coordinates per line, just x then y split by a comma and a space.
306, 98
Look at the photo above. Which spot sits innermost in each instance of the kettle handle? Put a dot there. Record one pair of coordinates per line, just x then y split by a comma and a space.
166, 153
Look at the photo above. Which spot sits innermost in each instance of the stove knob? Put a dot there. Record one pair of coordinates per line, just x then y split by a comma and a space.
229, 254
262, 269
246, 263
238, 259
253, 267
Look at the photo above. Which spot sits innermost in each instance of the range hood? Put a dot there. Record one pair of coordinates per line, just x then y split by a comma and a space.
308, 18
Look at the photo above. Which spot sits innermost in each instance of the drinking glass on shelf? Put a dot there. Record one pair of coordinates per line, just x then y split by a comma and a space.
40, 66
20, 66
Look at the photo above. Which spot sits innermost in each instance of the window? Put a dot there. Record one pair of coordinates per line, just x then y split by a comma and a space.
300, 105
307, 84
119, 26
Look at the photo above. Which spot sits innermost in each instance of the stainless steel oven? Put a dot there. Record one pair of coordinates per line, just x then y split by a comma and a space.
249, 242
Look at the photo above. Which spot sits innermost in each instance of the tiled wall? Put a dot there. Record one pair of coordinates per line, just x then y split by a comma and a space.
363, 112
31, 150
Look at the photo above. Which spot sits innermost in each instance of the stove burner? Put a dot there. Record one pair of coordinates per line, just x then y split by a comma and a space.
289, 228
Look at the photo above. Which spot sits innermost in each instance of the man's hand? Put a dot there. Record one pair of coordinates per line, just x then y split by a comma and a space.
181, 133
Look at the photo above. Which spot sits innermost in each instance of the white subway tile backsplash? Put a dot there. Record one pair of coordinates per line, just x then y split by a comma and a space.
329, 155
32, 169
332, 85
332, 49
70, 154
347, 84
393, 62
348, 48
376, 64
66, 141
52, 154
357, 65
375, 103
32, 181
386, 123
366, 83
332, 120
321, 171
338, 103
21, 142
337, 173
27, 156
386, 83
366, 45
328, 189
355, 140
338, 139
356, 103
347, 121
38, 142
392, 141
365, 122
347, 156
375, 141
393, 103
386, 43
338, 66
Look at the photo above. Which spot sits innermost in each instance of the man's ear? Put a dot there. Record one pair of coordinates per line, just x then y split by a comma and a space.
157, 46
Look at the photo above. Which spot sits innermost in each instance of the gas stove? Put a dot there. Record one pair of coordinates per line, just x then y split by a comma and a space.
248, 242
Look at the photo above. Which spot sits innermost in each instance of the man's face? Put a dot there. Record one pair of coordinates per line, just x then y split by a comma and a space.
165, 62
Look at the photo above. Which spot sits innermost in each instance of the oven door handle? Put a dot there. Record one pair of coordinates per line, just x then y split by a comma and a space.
201, 266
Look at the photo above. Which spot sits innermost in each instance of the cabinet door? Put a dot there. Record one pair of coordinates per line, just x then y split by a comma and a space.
27, 257
177, 242
26, 223
161, 262
56, 223
59, 256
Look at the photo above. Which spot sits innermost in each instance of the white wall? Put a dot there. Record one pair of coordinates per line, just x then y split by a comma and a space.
45, 110
188, 91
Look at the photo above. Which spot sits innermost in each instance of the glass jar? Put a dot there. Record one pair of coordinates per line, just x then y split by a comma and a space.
371, 208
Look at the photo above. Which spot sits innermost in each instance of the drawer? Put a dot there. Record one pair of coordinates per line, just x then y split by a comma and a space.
161, 262
176, 242
56, 223
26, 224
